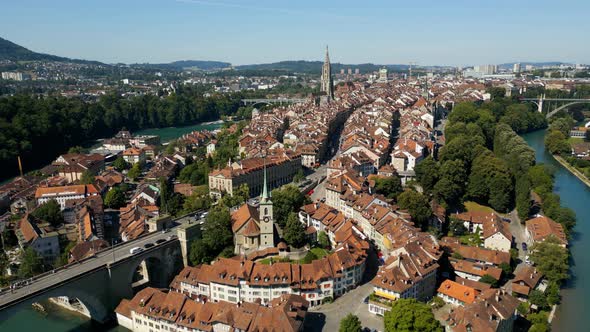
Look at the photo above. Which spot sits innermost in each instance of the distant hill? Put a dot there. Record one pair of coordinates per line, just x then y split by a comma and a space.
14, 52
314, 67
188, 64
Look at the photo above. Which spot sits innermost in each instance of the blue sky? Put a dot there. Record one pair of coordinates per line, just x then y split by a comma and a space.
442, 32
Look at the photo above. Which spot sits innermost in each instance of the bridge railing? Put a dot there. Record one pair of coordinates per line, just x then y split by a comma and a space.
104, 250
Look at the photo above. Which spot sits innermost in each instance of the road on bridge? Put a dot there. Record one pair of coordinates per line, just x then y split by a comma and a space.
115, 254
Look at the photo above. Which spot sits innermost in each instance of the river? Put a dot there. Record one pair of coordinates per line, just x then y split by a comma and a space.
571, 313
169, 133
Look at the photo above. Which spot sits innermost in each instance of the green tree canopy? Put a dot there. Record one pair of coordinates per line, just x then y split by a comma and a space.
31, 263
120, 164
350, 323
87, 177
323, 240
418, 206
427, 173
389, 186
286, 200
294, 231
50, 212
551, 259
488, 279
410, 315
115, 198
134, 172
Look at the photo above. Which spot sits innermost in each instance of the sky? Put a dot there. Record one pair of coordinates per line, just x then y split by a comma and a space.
429, 32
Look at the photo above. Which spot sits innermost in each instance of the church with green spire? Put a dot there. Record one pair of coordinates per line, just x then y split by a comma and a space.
253, 226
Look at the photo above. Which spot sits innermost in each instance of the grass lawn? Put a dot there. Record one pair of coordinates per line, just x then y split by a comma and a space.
320, 252
574, 140
474, 207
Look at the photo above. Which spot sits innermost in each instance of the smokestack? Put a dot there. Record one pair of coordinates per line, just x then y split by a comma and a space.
20, 166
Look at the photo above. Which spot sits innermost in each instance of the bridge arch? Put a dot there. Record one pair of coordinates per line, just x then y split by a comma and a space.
562, 107
148, 271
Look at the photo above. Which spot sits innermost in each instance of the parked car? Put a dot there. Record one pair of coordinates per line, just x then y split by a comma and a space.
148, 245
524, 246
135, 250
160, 241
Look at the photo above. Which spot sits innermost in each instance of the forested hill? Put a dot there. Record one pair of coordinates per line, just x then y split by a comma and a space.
14, 52
39, 129
188, 64
314, 67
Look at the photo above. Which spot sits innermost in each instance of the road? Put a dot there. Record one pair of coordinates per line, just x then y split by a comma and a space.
327, 317
114, 254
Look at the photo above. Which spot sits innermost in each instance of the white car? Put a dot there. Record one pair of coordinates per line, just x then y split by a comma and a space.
135, 250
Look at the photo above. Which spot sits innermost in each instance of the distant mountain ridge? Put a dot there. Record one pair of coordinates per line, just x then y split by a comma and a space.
187, 64
303, 66
14, 52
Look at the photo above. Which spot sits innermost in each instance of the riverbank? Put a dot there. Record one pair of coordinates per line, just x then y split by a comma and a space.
570, 315
168, 134
572, 170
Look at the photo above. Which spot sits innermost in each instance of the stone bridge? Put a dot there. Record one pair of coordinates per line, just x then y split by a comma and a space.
102, 281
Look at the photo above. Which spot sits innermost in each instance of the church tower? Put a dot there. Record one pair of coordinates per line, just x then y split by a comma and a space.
327, 84
266, 220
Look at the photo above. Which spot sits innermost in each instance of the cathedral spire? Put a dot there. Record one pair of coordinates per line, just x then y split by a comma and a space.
327, 84
265, 196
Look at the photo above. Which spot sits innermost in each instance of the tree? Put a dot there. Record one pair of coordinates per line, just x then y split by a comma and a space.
286, 200
488, 279
551, 259
165, 194
456, 228
175, 204
587, 136
200, 253
87, 177
217, 232
350, 323
76, 149
427, 173
389, 186
496, 92
410, 315
50, 212
198, 200
539, 321
115, 198
299, 176
418, 206
120, 164
134, 172
294, 231
323, 240
537, 298
450, 187
31, 263
9, 239
556, 142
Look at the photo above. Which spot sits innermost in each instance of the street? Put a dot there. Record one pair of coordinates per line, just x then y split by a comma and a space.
326, 317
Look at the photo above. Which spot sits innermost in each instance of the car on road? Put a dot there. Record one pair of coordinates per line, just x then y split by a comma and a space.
366, 300
524, 247
160, 241
172, 237
148, 245
165, 230
527, 260
135, 250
